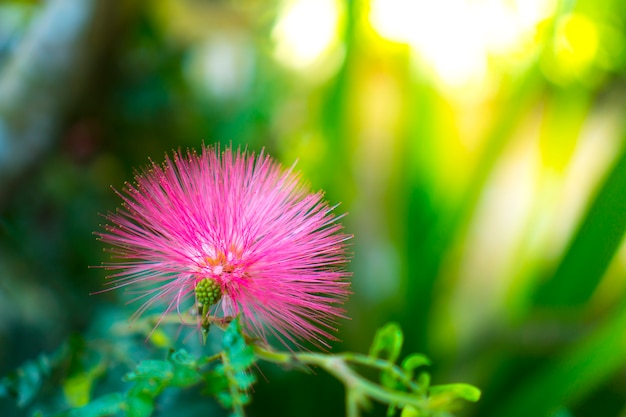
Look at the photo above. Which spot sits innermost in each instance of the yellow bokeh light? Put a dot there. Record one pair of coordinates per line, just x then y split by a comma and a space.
576, 43
304, 31
456, 37
579, 46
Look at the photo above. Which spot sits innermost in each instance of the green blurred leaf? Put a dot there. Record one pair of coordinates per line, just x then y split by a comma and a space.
231, 380
410, 411
179, 370
596, 242
244, 380
182, 357
29, 381
240, 355
77, 388
426, 250
387, 342
574, 374
151, 369
106, 405
464, 391
185, 377
215, 383
26, 381
414, 361
140, 399
160, 338
423, 379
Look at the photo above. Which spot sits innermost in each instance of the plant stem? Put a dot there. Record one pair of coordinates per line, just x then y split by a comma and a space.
356, 385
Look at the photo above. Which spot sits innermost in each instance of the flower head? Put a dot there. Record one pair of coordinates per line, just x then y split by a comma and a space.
240, 234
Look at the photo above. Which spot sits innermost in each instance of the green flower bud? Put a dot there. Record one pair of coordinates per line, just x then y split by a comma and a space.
208, 292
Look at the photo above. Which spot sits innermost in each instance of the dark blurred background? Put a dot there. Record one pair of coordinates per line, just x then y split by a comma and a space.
478, 147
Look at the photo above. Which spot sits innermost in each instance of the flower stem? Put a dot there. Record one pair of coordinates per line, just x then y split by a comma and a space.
358, 388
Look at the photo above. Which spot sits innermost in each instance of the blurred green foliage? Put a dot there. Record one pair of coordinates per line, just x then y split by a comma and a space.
226, 375
478, 147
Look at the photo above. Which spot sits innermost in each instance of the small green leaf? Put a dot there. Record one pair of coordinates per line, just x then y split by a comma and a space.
151, 369
77, 389
231, 379
387, 342
215, 382
152, 387
184, 369
244, 380
423, 380
463, 391
410, 411
185, 377
140, 400
390, 380
242, 359
240, 355
414, 361
160, 339
29, 382
225, 399
104, 406
25, 382
182, 357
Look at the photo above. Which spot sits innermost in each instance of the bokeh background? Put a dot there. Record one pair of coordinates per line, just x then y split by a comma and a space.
477, 145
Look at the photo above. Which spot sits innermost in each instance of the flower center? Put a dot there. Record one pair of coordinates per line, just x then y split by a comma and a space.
218, 265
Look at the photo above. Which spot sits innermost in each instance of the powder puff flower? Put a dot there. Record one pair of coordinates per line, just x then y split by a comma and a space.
240, 234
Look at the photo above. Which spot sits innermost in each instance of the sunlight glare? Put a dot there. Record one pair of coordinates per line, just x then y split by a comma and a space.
305, 30
456, 37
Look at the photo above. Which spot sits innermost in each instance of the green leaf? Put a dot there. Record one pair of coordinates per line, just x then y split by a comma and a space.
182, 357
185, 377
423, 379
225, 398
244, 380
215, 382
29, 381
387, 342
26, 381
179, 370
140, 399
151, 369
104, 406
77, 389
410, 411
240, 355
464, 391
574, 374
414, 361
592, 249
231, 380
160, 338
185, 369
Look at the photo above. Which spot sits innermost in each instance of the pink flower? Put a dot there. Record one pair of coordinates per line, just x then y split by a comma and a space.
240, 234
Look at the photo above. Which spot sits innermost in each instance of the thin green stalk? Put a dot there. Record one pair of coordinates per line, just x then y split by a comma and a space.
338, 366
352, 403
383, 365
